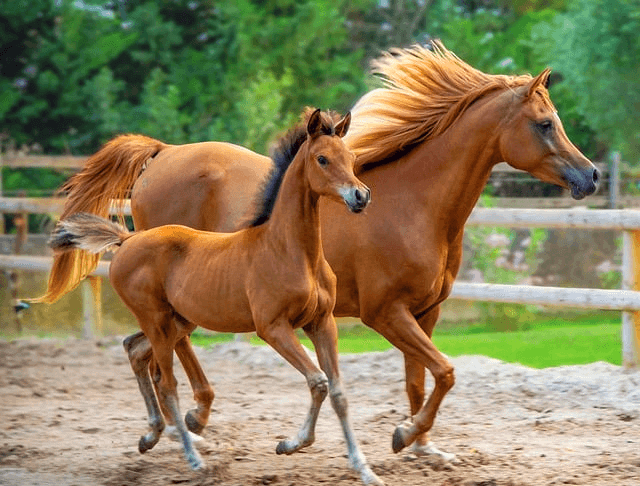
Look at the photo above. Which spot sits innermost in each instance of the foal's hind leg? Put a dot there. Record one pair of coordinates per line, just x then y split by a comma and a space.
324, 336
162, 335
139, 351
196, 419
203, 394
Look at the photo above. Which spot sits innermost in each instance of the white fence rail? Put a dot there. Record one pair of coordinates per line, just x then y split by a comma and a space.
626, 300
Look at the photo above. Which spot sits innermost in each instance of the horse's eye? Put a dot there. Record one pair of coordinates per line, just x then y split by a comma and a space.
545, 126
322, 160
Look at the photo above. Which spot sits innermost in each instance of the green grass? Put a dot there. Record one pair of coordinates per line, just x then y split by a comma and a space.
550, 340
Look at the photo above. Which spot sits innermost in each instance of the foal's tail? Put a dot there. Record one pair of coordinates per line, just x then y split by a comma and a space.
108, 175
84, 231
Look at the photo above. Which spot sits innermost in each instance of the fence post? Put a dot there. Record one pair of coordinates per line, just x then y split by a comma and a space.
614, 180
91, 307
2, 230
631, 281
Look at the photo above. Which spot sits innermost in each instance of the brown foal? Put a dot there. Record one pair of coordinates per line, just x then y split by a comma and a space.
271, 278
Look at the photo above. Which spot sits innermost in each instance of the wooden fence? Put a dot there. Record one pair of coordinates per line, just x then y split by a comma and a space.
626, 299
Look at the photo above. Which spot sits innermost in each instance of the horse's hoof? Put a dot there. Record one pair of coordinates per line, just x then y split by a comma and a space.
192, 422
403, 436
429, 449
397, 442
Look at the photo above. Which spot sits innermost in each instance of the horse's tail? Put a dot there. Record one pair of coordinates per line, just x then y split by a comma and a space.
107, 176
84, 231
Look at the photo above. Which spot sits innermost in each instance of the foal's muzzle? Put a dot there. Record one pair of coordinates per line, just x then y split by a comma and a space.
356, 197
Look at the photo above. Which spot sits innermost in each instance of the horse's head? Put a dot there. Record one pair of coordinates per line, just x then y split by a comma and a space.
533, 139
330, 164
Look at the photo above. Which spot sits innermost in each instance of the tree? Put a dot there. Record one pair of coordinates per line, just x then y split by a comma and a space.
596, 47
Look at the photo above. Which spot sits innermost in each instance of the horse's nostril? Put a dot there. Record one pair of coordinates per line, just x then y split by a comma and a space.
359, 196
596, 176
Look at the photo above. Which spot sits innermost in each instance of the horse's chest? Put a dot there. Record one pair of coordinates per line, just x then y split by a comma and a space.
429, 275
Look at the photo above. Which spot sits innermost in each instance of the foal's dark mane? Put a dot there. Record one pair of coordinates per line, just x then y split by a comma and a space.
282, 153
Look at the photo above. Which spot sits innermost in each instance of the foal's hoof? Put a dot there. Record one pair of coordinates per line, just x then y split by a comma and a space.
283, 448
192, 422
402, 437
173, 433
290, 446
195, 462
145, 444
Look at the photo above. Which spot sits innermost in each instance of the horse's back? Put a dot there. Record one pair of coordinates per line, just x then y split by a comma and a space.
207, 185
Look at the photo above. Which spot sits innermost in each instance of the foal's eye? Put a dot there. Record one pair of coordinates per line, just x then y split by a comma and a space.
545, 126
322, 160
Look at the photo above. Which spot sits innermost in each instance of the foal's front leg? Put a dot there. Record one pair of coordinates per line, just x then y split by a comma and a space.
324, 336
281, 337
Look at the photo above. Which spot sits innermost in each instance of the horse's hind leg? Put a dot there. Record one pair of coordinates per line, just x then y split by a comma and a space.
324, 336
139, 351
280, 336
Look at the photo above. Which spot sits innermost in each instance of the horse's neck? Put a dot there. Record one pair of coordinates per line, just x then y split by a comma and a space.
294, 224
448, 173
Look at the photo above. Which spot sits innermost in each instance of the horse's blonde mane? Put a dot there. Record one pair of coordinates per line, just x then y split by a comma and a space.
424, 92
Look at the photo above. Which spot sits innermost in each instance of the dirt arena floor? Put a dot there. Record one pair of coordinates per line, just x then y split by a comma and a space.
71, 414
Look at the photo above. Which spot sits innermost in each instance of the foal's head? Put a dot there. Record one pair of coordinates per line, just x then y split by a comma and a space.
329, 164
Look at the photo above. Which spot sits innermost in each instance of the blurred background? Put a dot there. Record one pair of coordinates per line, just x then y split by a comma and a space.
74, 74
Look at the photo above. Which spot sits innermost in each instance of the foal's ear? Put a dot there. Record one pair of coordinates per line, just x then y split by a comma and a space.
343, 125
540, 79
314, 125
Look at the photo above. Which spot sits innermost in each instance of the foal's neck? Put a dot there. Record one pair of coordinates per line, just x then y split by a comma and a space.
294, 224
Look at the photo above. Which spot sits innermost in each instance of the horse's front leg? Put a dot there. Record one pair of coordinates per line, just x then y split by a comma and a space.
400, 328
415, 378
280, 336
324, 336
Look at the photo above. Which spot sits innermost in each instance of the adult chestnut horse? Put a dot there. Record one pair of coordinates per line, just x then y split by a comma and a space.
270, 278
425, 143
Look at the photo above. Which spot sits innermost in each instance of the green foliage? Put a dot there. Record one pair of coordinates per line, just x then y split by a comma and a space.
596, 47
180, 70
242, 71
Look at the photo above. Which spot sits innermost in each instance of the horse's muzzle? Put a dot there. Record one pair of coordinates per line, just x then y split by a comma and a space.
356, 198
582, 182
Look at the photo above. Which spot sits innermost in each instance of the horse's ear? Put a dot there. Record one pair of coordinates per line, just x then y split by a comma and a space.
343, 125
540, 79
314, 125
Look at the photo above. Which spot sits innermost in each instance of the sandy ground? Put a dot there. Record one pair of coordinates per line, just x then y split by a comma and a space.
71, 414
